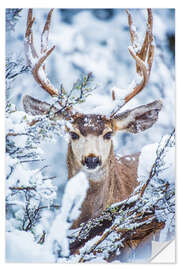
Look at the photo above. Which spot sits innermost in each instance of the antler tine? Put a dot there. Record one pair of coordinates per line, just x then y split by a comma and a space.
45, 33
148, 39
30, 21
141, 56
29, 38
132, 30
151, 46
44, 83
142, 68
145, 53
34, 61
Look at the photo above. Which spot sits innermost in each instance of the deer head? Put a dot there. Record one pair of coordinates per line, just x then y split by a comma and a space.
91, 134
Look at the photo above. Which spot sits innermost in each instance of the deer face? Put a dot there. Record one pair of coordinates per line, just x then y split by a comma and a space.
91, 141
91, 134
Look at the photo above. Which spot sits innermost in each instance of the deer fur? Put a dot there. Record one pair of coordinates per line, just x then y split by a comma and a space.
117, 180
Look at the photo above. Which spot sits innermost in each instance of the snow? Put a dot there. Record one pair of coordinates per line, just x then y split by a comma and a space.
47, 190
147, 158
10, 162
28, 52
73, 198
21, 248
164, 234
75, 192
168, 170
44, 39
19, 141
20, 176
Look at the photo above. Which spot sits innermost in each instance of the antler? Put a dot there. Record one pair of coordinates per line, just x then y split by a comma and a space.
143, 57
37, 62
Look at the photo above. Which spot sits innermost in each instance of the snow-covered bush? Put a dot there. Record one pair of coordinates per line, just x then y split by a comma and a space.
30, 193
12, 16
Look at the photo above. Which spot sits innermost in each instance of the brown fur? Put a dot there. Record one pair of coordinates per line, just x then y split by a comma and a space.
91, 124
118, 180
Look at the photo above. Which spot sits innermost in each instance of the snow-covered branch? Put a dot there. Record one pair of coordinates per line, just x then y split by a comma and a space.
12, 16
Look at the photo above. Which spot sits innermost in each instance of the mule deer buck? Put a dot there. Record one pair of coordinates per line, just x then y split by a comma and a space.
90, 147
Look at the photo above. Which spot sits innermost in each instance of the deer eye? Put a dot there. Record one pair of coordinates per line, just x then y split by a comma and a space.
74, 136
108, 135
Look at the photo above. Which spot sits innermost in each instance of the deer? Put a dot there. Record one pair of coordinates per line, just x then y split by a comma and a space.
90, 147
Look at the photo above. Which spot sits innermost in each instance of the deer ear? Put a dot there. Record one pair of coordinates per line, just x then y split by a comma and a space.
139, 118
34, 106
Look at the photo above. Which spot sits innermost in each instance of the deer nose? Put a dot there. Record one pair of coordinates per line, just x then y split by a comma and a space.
92, 162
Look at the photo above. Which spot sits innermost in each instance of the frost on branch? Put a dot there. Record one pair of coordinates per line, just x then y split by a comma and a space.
12, 16
77, 95
14, 68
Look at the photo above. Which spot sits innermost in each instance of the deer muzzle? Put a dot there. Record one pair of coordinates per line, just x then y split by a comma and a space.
91, 162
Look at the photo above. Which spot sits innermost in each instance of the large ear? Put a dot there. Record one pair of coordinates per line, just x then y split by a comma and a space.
36, 107
139, 118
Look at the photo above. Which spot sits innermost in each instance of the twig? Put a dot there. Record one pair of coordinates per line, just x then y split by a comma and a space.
31, 160
22, 188
49, 178
154, 167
